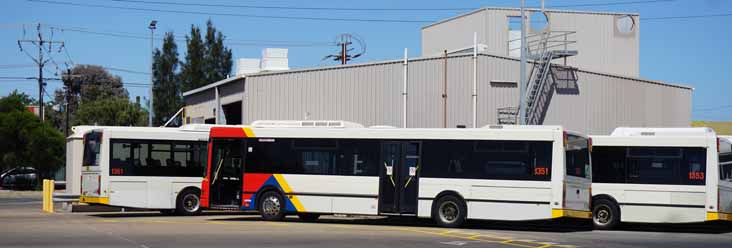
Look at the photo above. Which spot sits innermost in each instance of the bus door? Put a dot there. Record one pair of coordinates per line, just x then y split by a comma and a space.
225, 177
399, 178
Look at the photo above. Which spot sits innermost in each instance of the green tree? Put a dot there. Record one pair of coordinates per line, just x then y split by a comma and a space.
192, 69
26, 141
93, 82
111, 112
218, 59
167, 88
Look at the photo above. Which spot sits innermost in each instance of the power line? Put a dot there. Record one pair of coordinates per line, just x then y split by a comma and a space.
684, 17
126, 70
609, 4
291, 7
233, 14
373, 9
722, 107
182, 39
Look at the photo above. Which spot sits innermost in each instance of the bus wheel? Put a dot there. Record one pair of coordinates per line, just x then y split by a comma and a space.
449, 211
308, 216
605, 214
188, 203
272, 206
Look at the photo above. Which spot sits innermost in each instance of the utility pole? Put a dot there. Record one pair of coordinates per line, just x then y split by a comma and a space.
150, 111
522, 73
41, 62
345, 41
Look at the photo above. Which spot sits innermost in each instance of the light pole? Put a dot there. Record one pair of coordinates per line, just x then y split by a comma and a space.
522, 72
150, 110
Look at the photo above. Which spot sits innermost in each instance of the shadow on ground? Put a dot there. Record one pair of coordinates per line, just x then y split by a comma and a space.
537, 226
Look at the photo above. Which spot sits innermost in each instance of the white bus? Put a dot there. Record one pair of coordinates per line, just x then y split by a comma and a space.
311, 168
145, 167
661, 175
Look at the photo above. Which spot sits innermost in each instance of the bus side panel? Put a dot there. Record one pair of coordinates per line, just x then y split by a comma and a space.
159, 193
725, 200
577, 194
334, 194
128, 193
655, 203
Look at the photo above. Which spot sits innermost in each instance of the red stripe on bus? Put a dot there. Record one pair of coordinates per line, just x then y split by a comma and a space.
227, 132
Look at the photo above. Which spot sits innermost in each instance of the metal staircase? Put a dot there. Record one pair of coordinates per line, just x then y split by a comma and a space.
543, 48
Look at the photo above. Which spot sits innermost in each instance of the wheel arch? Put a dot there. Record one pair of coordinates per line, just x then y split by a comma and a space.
605, 197
446, 193
267, 189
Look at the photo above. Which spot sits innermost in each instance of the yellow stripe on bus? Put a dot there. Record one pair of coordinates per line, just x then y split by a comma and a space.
559, 213
91, 199
719, 216
288, 190
248, 132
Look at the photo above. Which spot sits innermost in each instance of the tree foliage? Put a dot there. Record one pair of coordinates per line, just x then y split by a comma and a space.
26, 141
92, 82
167, 87
111, 112
192, 69
218, 60
207, 60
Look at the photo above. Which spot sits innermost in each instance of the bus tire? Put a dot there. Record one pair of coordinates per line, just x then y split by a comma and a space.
272, 206
188, 202
605, 214
449, 211
308, 216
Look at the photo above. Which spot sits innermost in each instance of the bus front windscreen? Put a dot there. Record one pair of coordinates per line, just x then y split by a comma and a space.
577, 155
92, 145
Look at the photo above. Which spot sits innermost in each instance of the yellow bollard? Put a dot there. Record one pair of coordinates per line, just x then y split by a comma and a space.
45, 199
52, 188
48, 188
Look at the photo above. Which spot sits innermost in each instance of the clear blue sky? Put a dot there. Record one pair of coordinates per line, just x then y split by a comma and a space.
693, 51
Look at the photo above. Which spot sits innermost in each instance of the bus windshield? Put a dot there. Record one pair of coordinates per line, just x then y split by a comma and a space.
92, 145
577, 156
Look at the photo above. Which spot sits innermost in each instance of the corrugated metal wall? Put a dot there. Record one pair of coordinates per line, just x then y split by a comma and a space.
601, 48
371, 94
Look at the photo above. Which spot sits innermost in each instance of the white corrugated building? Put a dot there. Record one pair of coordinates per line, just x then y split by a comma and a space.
592, 86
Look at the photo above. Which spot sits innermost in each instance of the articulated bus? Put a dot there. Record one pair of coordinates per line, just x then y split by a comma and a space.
311, 168
661, 175
145, 167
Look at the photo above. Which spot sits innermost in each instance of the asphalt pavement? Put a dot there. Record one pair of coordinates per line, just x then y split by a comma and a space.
22, 224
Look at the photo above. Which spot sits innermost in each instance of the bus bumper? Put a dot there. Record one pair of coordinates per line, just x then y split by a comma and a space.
95, 200
570, 213
712, 216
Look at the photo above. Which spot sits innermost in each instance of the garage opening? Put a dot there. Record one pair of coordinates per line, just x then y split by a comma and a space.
232, 113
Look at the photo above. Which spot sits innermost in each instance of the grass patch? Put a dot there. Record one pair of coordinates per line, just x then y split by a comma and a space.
720, 127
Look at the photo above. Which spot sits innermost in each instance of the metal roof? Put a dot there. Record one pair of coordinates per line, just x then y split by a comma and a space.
210, 86
528, 9
341, 67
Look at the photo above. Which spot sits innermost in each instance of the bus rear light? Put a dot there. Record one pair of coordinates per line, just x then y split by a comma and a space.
589, 198
99, 185
718, 145
247, 202
589, 144
564, 195
564, 139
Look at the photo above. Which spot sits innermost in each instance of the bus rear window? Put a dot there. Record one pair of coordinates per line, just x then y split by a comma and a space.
577, 156
92, 145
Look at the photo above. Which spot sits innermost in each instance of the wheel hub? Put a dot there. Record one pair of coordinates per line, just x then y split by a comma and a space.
271, 206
